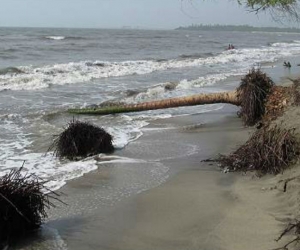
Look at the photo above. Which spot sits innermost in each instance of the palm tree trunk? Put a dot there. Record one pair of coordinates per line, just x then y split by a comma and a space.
200, 99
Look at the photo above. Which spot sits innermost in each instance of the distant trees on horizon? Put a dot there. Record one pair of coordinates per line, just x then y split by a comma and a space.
219, 27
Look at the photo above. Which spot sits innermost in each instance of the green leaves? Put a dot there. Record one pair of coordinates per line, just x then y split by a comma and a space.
269, 3
279, 9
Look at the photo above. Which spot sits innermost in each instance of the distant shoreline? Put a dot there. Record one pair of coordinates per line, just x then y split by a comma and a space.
244, 28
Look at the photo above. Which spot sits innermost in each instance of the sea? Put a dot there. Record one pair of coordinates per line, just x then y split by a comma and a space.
45, 71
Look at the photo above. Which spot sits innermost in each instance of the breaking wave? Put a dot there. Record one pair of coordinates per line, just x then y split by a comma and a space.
55, 37
10, 70
63, 37
29, 77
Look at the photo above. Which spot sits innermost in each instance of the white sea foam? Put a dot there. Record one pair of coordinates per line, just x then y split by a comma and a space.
208, 80
85, 71
16, 149
55, 37
183, 87
10, 146
57, 173
123, 134
153, 93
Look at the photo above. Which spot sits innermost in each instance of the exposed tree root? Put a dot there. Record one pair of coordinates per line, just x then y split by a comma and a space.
286, 181
23, 203
252, 93
269, 150
296, 91
81, 139
278, 99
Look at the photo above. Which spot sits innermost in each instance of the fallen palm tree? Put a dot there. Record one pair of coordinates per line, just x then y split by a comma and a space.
269, 150
250, 95
23, 205
82, 139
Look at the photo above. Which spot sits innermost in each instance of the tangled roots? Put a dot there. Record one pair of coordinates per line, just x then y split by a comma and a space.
22, 204
267, 151
252, 93
81, 139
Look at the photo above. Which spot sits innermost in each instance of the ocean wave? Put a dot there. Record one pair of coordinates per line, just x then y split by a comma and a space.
7, 56
285, 45
17, 147
10, 50
55, 37
63, 37
85, 71
10, 70
195, 56
183, 87
161, 60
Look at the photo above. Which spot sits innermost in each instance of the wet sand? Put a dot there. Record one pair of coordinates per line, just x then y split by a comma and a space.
197, 207
193, 206
201, 208
181, 213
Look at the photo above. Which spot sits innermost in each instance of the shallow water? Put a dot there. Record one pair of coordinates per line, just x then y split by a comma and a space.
43, 72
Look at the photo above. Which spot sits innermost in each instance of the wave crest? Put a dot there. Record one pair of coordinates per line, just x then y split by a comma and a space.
55, 37
63, 37
10, 70
28, 77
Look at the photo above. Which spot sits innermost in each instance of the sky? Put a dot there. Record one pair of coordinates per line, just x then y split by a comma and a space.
148, 14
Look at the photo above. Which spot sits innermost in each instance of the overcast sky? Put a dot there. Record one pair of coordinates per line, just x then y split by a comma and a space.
162, 14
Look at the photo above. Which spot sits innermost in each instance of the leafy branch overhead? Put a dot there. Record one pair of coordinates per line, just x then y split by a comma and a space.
268, 3
277, 8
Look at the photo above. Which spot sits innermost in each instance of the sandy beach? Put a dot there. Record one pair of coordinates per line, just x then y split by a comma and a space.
204, 209
197, 207
155, 191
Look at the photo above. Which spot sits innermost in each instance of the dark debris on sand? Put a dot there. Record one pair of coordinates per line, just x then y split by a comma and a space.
23, 203
268, 150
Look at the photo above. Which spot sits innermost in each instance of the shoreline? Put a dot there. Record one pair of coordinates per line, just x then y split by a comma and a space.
196, 207
90, 222
155, 193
